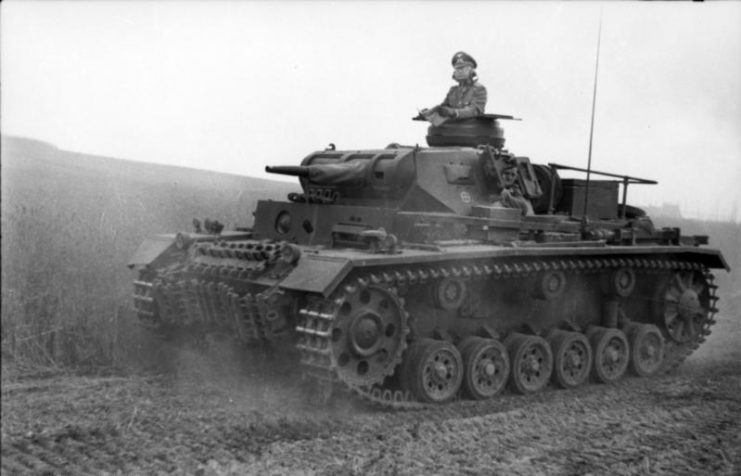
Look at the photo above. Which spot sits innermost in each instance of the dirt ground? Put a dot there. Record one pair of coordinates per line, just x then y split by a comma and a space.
210, 420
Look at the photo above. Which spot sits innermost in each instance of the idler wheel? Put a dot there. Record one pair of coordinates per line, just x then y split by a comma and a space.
646, 349
486, 364
368, 334
532, 362
686, 305
433, 371
572, 358
611, 353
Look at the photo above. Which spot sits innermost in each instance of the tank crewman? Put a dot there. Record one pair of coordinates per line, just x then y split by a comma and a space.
468, 98
511, 195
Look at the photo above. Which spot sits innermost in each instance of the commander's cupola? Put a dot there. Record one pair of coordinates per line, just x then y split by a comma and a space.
471, 132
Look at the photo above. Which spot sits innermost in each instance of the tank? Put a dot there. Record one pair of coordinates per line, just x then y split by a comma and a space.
396, 274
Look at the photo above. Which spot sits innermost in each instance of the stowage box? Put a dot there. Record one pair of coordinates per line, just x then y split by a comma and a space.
603, 195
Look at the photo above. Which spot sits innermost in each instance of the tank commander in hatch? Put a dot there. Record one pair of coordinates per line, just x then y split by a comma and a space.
511, 195
467, 99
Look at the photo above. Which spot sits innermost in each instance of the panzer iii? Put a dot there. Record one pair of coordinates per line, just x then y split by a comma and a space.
395, 274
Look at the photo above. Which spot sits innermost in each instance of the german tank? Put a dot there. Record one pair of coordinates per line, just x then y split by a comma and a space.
397, 274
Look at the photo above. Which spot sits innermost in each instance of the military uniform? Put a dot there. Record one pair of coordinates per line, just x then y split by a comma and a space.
468, 99
512, 197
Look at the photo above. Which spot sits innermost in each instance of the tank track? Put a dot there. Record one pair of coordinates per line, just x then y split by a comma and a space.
315, 323
198, 294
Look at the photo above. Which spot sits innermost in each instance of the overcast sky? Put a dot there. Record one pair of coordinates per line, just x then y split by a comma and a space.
234, 86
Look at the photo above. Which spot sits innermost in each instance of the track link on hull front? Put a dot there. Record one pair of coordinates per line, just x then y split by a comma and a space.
216, 289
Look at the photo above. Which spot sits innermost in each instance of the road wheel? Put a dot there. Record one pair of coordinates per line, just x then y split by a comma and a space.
532, 362
646, 349
572, 358
611, 353
486, 365
433, 371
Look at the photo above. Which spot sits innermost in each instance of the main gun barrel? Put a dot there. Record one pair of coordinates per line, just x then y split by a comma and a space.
293, 170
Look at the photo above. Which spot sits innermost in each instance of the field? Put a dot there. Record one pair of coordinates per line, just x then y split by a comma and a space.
209, 419
84, 390
70, 222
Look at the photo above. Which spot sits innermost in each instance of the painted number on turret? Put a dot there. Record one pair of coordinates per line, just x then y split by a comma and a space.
465, 197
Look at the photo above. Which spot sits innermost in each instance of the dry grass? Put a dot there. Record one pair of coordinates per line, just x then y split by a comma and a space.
69, 224
62, 295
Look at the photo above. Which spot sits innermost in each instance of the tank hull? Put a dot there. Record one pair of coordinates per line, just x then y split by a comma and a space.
403, 275
354, 318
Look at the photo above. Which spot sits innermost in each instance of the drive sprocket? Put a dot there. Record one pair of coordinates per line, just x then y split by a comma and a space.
368, 333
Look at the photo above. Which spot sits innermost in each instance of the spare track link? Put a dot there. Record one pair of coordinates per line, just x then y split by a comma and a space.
197, 293
315, 328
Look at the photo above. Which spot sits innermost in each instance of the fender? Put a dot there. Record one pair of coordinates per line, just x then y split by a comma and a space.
154, 249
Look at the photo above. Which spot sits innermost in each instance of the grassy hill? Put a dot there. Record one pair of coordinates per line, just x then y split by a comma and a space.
71, 221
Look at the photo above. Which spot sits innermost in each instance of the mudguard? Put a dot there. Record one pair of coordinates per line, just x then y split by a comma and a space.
317, 274
152, 248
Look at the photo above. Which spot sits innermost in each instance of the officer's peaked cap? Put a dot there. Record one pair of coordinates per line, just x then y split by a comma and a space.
462, 58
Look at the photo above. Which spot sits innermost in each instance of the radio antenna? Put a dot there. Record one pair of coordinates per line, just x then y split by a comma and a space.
591, 126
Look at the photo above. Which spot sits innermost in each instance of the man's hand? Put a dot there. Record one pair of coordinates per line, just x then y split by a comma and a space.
446, 111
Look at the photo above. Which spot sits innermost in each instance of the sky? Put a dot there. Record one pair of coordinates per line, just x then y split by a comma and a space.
233, 86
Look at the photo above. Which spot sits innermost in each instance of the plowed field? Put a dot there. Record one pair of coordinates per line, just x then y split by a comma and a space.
208, 418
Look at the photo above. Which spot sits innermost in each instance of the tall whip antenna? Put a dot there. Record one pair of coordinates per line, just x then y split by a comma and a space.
591, 126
